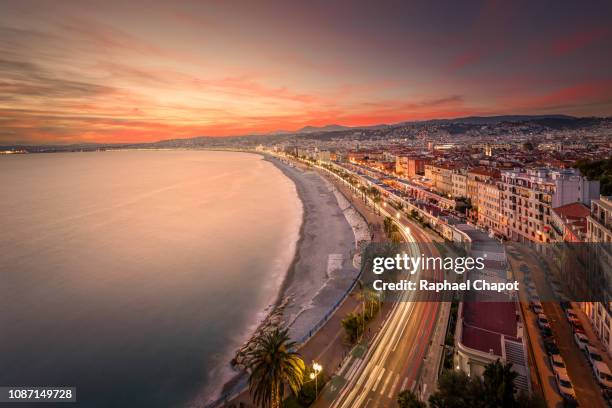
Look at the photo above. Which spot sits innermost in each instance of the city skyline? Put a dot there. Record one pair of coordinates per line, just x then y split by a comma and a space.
114, 73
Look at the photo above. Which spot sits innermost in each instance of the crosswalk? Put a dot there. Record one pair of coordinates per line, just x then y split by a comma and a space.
387, 383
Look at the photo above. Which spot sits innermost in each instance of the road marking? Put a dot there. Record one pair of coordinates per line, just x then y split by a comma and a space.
404, 383
346, 364
382, 390
397, 377
378, 379
353, 369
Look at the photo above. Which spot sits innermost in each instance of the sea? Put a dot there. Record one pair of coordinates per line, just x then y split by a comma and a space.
135, 275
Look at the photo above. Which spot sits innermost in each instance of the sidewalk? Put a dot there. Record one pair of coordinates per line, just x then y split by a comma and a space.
428, 382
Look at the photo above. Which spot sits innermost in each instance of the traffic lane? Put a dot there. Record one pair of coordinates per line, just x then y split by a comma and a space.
403, 368
381, 379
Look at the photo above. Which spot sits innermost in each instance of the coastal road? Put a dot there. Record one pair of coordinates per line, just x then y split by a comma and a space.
394, 359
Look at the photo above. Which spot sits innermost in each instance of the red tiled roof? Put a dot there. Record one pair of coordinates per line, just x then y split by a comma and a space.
573, 211
483, 171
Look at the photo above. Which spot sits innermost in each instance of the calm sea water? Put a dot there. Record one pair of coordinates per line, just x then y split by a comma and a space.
134, 275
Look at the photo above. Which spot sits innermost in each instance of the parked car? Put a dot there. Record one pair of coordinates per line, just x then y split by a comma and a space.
602, 374
566, 389
544, 325
537, 308
551, 346
577, 326
570, 314
607, 396
592, 354
543, 321
556, 361
581, 340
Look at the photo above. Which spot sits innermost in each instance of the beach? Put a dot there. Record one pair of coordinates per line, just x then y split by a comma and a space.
325, 265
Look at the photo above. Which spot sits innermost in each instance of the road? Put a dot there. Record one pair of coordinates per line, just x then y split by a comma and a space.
587, 390
394, 359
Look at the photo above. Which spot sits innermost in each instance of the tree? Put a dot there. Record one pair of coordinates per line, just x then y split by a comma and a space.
457, 390
352, 324
408, 399
495, 390
597, 170
272, 364
498, 381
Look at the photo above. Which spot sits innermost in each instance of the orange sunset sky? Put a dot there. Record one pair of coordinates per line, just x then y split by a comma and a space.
129, 71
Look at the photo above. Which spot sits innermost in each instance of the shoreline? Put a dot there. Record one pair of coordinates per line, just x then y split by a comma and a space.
304, 254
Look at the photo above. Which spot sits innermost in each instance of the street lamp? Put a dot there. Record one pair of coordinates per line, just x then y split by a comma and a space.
317, 368
398, 215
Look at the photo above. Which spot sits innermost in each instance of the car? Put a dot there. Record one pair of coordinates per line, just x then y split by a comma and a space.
564, 385
544, 325
607, 396
556, 361
551, 346
602, 374
581, 341
577, 327
537, 308
531, 291
542, 321
592, 354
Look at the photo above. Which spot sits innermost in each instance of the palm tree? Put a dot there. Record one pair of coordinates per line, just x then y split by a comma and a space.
499, 385
272, 364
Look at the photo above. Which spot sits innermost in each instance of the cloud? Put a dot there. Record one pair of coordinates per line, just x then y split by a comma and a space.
578, 40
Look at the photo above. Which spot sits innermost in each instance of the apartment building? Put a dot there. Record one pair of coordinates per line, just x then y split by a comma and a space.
599, 229
568, 223
599, 222
474, 177
441, 177
410, 166
489, 214
528, 197
459, 187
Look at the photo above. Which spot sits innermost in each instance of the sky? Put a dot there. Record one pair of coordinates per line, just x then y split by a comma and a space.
137, 71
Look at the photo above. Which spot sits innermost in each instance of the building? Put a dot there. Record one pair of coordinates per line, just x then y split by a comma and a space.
441, 177
488, 210
599, 229
490, 330
324, 156
569, 223
599, 222
474, 177
528, 198
410, 166
459, 187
